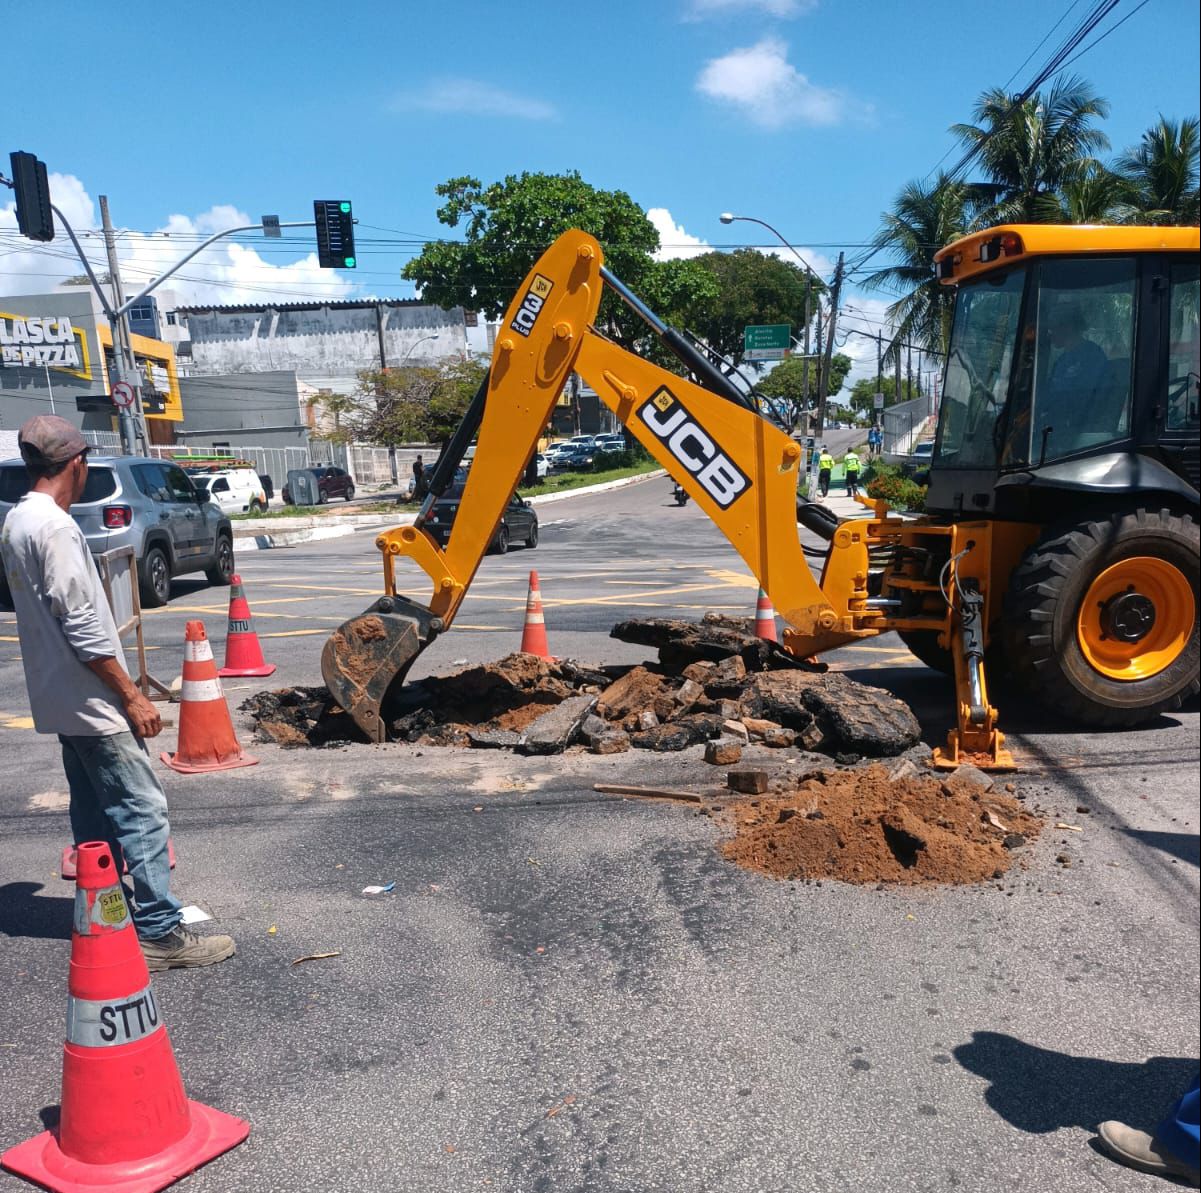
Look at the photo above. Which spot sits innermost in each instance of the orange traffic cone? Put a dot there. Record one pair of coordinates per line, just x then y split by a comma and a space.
67, 865
765, 618
126, 1124
243, 654
206, 733
533, 633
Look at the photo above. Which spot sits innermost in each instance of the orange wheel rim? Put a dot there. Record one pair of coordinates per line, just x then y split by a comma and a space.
1136, 618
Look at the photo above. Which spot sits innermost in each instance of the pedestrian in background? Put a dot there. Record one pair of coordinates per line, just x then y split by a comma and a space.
850, 468
825, 465
80, 689
418, 489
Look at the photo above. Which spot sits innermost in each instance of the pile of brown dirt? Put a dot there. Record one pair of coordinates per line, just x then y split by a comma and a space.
860, 826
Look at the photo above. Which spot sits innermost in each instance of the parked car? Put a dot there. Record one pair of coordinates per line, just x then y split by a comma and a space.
518, 524
572, 457
608, 444
150, 505
331, 482
556, 449
588, 441
542, 465
234, 490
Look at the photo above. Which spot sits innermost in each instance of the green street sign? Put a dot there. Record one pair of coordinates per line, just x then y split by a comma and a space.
766, 341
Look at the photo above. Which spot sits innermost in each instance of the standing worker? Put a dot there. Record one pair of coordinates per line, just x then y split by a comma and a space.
825, 465
80, 689
418, 474
850, 467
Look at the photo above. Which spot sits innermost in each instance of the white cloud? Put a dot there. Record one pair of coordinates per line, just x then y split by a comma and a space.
773, 8
227, 272
860, 318
760, 82
476, 99
673, 240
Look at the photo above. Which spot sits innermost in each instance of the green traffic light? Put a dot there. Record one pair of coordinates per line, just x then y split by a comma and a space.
348, 263
343, 206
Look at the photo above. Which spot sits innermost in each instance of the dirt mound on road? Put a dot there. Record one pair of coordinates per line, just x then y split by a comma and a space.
506, 695
860, 826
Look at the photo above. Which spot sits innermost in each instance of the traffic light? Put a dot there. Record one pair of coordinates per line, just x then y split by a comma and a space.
34, 217
335, 233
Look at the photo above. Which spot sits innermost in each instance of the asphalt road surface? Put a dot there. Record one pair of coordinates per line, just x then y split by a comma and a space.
569, 991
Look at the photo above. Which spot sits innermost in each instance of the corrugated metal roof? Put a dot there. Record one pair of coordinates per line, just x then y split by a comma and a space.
365, 304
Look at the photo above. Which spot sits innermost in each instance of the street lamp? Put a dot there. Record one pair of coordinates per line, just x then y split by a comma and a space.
415, 345
728, 217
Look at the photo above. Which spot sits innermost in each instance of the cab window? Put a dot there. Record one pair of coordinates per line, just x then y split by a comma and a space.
1081, 333
1184, 349
220, 485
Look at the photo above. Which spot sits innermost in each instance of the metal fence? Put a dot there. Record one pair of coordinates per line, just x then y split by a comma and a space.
268, 461
903, 423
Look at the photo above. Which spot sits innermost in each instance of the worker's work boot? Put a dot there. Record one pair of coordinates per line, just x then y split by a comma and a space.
181, 949
1139, 1150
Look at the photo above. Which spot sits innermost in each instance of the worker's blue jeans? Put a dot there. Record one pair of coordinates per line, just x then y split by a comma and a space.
116, 797
1179, 1132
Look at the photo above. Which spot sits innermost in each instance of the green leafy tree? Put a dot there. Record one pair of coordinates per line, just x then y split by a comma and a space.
752, 288
1030, 151
786, 383
506, 227
863, 393
923, 219
1161, 173
405, 405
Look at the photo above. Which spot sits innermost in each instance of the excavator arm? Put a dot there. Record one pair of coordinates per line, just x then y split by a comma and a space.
739, 468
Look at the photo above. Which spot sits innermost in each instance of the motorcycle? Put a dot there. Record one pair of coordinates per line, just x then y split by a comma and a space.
680, 494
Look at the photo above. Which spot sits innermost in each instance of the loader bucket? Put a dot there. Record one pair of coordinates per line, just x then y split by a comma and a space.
366, 659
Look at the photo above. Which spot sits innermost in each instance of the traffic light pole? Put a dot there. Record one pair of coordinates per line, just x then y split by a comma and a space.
132, 421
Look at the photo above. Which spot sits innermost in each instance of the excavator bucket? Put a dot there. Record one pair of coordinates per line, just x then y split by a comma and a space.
366, 659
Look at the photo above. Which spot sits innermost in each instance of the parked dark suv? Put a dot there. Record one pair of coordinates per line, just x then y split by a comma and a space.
149, 505
331, 482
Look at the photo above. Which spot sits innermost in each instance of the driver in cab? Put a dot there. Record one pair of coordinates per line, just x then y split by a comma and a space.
1080, 373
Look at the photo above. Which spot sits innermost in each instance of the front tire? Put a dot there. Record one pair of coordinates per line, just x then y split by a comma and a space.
222, 569
502, 541
1101, 618
532, 538
350, 492
154, 578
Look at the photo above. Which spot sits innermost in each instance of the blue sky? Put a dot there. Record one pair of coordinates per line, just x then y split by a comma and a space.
809, 114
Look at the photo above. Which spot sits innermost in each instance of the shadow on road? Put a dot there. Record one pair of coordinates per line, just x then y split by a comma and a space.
24, 913
1185, 846
1038, 1090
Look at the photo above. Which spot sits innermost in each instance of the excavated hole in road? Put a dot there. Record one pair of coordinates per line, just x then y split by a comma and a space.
856, 824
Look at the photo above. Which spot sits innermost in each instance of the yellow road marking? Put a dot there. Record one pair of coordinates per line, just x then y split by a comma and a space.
8, 722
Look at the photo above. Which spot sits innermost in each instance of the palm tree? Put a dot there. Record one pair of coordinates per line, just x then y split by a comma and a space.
922, 220
1162, 173
1031, 150
1096, 196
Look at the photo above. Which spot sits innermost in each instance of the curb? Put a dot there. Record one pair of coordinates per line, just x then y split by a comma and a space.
352, 524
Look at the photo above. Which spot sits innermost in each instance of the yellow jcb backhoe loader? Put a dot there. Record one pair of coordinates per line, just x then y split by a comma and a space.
1061, 533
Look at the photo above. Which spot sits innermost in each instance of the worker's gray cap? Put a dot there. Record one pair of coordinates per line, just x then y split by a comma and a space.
50, 439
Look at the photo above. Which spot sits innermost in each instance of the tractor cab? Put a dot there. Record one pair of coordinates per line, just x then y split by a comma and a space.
1072, 367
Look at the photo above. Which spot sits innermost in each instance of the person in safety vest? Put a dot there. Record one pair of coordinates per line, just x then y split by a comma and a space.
850, 467
825, 465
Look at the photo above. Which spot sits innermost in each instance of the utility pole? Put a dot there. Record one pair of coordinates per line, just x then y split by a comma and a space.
130, 418
823, 384
805, 368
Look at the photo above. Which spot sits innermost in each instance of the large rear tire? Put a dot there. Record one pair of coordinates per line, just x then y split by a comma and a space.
923, 645
1101, 618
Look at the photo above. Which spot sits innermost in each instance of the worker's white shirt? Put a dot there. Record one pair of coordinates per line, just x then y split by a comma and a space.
63, 621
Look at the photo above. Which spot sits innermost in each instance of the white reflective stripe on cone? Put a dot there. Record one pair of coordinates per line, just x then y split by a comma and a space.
197, 652
108, 1023
198, 690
